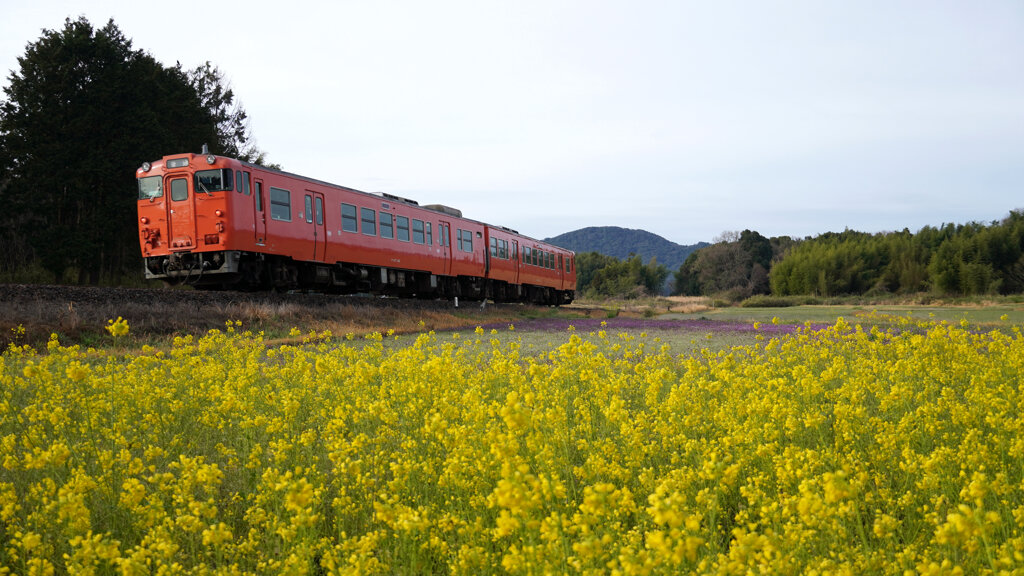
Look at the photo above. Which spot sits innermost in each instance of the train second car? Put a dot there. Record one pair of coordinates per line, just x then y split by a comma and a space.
217, 222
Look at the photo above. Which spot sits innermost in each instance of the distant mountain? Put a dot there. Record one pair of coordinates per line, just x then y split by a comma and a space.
621, 242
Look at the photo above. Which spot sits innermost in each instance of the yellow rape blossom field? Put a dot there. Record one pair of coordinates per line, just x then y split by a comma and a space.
840, 450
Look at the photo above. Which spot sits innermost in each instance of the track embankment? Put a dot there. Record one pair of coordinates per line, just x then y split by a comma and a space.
30, 313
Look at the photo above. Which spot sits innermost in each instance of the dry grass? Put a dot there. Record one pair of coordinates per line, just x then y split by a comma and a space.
30, 314
644, 307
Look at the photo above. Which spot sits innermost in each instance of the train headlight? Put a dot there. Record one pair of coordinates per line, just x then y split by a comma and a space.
218, 213
211, 159
144, 220
146, 166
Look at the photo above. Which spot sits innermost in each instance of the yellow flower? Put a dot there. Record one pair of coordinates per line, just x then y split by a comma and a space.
117, 328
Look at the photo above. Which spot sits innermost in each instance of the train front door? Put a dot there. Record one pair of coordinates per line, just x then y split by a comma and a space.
260, 214
314, 209
181, 214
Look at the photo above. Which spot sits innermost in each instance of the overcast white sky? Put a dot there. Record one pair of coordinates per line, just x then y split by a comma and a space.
682, 118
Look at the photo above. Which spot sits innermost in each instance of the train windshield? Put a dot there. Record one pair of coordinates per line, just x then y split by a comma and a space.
213, 180
150, 187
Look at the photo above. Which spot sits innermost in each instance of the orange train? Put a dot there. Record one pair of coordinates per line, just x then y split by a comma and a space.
217, 222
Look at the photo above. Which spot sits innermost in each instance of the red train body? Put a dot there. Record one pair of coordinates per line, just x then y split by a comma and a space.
213, 221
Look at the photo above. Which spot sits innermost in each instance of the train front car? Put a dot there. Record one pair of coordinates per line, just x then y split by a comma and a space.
185, 231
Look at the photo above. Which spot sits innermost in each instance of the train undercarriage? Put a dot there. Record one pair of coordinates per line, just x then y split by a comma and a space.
248, 271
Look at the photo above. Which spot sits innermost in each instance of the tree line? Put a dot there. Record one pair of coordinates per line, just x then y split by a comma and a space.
83, 110
948, 260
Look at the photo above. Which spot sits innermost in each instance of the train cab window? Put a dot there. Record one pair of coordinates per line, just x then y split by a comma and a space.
245, 186
403, 228
417, 231
238, 178
213, 180
280, 204
369, 219
387, 225
349, 223
151, 187
309, 209
179, 189
430, 235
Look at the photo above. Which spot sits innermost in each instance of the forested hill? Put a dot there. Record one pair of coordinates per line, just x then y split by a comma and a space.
621, 242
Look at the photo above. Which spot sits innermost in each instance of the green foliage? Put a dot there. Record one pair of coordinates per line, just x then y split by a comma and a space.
598, 275
952, 260
736, 267
82, 111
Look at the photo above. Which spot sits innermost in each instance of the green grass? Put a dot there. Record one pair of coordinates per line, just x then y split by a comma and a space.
980, 315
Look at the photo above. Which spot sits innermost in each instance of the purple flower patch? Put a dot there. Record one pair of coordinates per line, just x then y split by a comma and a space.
648, 325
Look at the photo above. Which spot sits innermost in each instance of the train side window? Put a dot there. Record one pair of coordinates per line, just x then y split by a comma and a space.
403, 228
179, 189
387, 225
369, 218
417, 231
246, 178
349, 223
280, 204
526, 255
259, 196
309, 209
430, 235
494, 247
238, 178
319, 211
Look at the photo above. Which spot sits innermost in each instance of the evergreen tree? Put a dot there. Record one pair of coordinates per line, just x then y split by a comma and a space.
82, 112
